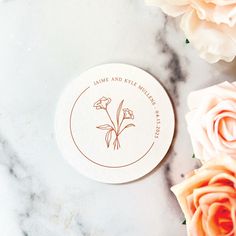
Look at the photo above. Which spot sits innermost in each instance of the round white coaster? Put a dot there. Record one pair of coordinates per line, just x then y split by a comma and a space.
114, 123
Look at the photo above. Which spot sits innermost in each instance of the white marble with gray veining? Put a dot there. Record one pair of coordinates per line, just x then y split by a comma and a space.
44, 44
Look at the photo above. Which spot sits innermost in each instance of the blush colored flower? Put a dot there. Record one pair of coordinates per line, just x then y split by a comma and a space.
209, 25
102, 103
212, 121
128, 114
208, 199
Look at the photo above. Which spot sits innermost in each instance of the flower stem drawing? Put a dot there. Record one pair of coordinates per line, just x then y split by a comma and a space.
115, 127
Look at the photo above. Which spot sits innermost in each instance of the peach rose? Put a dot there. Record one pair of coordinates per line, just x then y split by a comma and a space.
208, 199
212, 121
209, 25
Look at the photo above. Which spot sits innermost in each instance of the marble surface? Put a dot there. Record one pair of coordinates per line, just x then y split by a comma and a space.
43, 46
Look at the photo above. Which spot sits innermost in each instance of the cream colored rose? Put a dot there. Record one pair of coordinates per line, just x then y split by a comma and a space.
212, 121
208, 199
209, 25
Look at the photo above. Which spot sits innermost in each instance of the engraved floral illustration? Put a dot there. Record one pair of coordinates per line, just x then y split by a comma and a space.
117, 126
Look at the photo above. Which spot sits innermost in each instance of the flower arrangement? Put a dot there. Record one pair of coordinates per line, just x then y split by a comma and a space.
208, 195
116, 127
209, 25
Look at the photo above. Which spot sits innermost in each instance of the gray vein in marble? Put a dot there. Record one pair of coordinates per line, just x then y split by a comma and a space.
173, 63
33, 197
10, 160
168, 169
167, 175
83, 231
28, 188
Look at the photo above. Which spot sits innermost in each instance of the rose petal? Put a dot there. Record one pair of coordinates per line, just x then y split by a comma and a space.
218, 211
215, 13
195, 226
227, 126
221, 137
213, 193
170, 7
222, 2
212, 47
224, 164
218, 92
224, 179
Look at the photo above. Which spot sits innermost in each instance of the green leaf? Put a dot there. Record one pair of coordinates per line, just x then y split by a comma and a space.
187, 41
184, 222
193, 156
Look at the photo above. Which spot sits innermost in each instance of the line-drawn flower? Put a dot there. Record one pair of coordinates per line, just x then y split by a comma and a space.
128, 114
114, 127
102, 103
